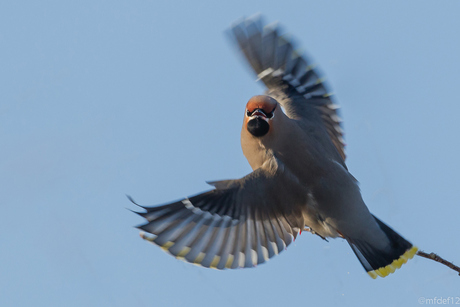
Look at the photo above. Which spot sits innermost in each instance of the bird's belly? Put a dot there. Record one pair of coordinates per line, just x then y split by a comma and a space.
317, 221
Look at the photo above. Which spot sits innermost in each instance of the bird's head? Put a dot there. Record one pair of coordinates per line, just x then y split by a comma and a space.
259, 115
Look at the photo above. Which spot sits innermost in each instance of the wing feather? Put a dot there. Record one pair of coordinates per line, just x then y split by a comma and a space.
241, 225
289, 76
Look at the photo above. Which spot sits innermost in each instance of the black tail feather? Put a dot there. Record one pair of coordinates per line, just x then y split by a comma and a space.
373, 258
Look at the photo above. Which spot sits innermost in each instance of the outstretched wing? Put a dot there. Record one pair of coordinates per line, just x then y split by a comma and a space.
241, 223
289, 77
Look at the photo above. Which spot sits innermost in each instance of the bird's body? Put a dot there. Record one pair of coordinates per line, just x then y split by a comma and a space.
293, 141
294, 153
301, 153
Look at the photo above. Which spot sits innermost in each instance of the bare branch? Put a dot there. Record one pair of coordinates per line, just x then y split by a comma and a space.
436, 258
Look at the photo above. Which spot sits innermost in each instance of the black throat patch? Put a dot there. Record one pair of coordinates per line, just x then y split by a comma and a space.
258, 127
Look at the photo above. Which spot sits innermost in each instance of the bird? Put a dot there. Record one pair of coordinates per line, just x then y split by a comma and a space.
293, 140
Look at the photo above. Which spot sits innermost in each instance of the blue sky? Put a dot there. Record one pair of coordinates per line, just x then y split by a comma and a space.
100, 99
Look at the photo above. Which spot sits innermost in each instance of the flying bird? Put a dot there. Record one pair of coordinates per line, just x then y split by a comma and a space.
293, 140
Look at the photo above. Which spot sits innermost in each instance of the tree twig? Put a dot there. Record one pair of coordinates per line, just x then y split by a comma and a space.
436, 258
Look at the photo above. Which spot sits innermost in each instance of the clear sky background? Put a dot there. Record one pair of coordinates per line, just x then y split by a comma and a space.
99, 99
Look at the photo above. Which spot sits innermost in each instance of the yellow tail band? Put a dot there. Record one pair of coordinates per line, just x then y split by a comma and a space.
396, 264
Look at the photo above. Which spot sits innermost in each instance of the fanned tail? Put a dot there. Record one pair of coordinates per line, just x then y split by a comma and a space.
378, 262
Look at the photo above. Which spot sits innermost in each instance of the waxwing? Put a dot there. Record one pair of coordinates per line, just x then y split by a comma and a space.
293, 140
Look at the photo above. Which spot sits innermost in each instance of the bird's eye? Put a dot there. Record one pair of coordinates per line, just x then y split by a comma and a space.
272, 113
248, 113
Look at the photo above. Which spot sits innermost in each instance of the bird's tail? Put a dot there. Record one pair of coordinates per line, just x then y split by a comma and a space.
378, 262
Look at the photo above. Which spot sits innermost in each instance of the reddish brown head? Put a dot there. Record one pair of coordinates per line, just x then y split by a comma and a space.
260, 110
265, 104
